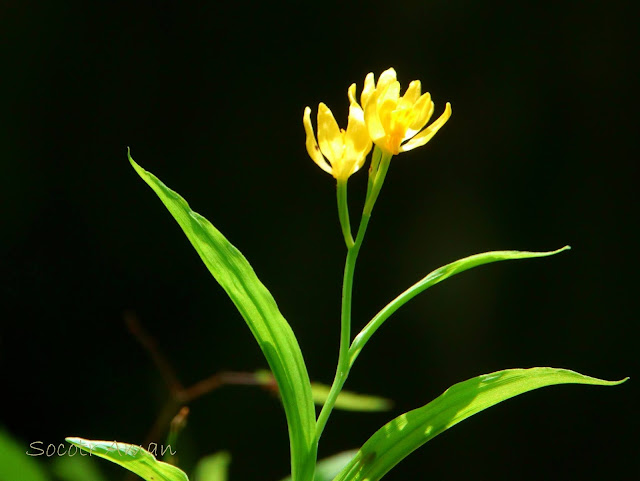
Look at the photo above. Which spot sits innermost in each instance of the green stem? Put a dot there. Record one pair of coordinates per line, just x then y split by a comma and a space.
377, 177
343, 368
373, 169
343, 212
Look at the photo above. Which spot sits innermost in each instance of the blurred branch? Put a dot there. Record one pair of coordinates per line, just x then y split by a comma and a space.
175, 408
151, 346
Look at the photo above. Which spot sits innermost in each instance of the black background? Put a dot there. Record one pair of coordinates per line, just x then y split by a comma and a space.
540, 152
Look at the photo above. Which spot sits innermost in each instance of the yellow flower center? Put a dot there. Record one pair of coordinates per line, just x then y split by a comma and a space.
396, 127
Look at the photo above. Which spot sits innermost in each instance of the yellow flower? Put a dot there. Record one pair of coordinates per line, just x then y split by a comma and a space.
345, 151
392, 120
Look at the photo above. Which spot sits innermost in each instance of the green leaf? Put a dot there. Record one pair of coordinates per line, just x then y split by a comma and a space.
259, 310
347, 400
432, 279
214, 467
398, 438
350, 401
131, 457
76, 468
328, 468
21, 462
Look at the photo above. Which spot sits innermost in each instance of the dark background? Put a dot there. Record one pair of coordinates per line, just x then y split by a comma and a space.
540, 152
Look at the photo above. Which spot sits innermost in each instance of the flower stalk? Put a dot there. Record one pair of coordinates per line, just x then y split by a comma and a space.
376, 179
343, 212
394, 124
342, 371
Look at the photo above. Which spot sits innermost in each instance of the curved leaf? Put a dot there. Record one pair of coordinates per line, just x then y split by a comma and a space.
131, 457
398, 438
346, 401
350, 401
432, 279
259, 310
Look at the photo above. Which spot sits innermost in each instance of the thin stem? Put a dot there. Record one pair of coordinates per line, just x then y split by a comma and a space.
343, 212
378, 175
342, 370
373, 169
376, 179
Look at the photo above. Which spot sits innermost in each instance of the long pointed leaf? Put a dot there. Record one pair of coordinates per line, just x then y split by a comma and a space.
398, 438
432, 279
258, 308
131, 457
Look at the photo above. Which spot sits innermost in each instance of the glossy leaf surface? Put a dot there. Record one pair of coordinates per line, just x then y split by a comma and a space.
432, 279
398, 438
259, 310
131, 457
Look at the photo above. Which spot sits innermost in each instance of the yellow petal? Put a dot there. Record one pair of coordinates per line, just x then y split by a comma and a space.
375, 127
369, 87
425, 136
329, 135
386, 78
351, 93
390, 92
357, 141
387, 103
411, 95
312, 146
423, 110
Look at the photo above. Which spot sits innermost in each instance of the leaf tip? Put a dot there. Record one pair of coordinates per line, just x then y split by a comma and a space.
134, 164
129, 156
613, 383
557, 251
562, 249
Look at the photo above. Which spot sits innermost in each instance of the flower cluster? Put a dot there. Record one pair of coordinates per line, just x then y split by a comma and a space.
394, 124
